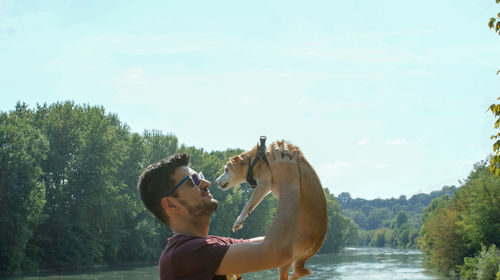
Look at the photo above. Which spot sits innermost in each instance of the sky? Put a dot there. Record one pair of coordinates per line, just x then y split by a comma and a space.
385, 98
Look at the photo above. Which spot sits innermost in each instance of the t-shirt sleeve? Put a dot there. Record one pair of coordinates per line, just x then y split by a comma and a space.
199, 259
235, 241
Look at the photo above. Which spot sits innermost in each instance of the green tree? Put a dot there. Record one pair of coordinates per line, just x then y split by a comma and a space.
484, 266
378, 217
495, 159
480, 222
379, 238
352, 236
494, 23
441, 239
337, 225
87, 198
456, 229
401, 218
344, 198
22, 192
158, 146
491, 23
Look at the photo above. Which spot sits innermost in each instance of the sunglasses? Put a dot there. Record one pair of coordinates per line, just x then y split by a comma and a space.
195, 178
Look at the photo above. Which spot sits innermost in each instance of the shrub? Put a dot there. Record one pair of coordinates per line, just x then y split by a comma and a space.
484, 266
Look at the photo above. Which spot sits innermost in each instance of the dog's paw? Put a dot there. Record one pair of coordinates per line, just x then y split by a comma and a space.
238, 224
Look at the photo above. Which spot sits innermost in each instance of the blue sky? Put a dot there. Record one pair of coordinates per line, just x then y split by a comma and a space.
384, 98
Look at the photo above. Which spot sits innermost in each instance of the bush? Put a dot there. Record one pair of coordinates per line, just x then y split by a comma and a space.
484, 266
468, 270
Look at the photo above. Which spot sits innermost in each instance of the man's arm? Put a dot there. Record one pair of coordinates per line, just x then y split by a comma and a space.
257, 239
276, 249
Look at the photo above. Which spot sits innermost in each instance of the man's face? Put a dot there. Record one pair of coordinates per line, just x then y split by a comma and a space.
196, 199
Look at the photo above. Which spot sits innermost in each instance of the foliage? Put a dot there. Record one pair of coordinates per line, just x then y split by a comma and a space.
456, 229
494, 23
389, 222
68, 196
22, 192
491, 23
441, 239
338, 226
484, 266
495, 159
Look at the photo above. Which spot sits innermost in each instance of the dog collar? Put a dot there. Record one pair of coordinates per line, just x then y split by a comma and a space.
261, 154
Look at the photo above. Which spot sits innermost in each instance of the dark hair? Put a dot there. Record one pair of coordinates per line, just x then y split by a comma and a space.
156, 181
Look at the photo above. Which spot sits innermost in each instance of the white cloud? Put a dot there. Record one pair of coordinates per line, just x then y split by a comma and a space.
312, 53
337, 165
246, 100
300, 102
422, 141
362, 142
136, 76
397, 141
382, 165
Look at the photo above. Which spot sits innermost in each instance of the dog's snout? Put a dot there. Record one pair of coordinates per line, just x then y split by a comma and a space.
217, 181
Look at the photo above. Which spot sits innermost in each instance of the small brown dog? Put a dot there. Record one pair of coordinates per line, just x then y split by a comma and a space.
313, 216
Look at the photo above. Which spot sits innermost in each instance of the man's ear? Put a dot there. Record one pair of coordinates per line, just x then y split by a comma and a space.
169, 204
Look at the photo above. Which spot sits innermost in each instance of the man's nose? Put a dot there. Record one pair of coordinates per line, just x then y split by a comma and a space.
205, 184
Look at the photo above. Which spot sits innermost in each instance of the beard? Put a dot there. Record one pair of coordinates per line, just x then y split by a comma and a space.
200, 210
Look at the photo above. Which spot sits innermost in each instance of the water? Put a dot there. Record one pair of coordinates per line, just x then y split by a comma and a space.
365, 264
349, 264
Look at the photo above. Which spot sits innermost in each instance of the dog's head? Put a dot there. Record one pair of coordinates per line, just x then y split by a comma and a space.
235, 172
236, 169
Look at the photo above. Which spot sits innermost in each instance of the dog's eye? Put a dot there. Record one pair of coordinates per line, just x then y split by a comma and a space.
227, 170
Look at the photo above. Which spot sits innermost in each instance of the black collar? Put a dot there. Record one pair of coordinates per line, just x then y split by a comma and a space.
261, 154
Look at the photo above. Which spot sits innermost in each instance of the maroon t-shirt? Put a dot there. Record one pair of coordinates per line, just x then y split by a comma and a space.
192, 257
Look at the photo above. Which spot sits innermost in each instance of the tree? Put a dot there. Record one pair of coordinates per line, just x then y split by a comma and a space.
344, 198
480, 223
456, 229
158, 145
401, 218
22, 192
441, 239
338, 225
495, 159
495, 109
492, 25
68, 196
88, 202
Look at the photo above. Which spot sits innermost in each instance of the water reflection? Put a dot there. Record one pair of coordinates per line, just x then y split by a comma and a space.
132, 273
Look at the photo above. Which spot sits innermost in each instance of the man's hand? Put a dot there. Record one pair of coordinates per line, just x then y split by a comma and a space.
283, 165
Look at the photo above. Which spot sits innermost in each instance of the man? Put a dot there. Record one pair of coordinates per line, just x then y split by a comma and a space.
179, 197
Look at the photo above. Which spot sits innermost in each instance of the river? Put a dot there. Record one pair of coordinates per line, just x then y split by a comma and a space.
348, 264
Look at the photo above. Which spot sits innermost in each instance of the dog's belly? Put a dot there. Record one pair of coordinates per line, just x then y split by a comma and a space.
313, 216
311, 231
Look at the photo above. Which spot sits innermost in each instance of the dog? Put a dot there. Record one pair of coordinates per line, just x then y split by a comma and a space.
313, 216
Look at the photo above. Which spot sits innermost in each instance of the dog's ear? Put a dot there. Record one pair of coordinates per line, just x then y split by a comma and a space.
235, 159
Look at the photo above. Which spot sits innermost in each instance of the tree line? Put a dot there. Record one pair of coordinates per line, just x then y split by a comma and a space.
68, 195
457, 228
393, 222
461, 235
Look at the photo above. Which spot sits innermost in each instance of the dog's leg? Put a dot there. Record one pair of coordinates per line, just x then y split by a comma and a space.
283, 270
258, 194
299, 269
